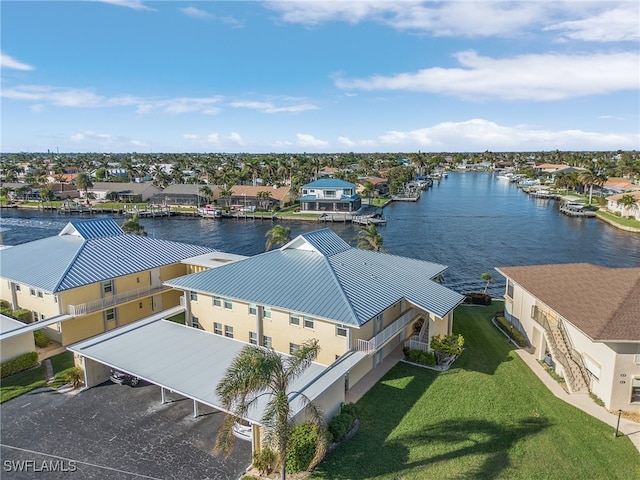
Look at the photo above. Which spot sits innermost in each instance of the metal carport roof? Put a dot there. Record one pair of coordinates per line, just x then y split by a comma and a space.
191, 362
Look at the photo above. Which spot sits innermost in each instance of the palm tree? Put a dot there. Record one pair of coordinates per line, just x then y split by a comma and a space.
487, 278
263, 197
627, 202
83, 182
369, 238
258, 371
277, 235
367, 190
591, 178
207, 192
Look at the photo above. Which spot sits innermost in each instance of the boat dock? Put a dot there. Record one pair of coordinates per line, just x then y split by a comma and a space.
576, 209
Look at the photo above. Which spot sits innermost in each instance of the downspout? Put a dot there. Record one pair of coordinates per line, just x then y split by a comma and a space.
187, 309
259, 330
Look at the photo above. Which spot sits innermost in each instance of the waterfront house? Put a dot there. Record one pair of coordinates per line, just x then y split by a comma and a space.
188, 194
633, 211
583, 319
262, 197
91, 278
122, 192
329, 195
380, 185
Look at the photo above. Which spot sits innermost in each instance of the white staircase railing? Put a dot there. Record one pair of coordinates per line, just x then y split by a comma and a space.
117, 299
388, 333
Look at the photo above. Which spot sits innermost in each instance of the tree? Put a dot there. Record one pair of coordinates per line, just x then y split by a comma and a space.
627, 202
369, 238
591, 178
206, 191
367, 190
277, 235
84, 183
264, 197
133, 226
258, 371
487, 278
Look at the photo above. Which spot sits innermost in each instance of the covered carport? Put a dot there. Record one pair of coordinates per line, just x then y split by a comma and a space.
191, 363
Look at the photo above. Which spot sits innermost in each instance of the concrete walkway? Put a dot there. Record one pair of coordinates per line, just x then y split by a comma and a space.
583, 401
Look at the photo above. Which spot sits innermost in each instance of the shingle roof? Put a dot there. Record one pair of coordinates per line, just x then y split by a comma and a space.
277, 193
602, 302
87, 252
319, 274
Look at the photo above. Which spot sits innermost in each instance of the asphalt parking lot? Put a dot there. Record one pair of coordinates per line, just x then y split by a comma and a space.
113, 432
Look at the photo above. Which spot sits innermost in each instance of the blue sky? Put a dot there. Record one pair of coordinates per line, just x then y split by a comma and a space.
333, 76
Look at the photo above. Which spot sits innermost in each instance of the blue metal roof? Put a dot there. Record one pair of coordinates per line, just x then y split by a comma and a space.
70, 260
319, 274
329, 183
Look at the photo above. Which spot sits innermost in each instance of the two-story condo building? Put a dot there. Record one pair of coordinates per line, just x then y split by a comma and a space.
585, 320
329, 195
92, 277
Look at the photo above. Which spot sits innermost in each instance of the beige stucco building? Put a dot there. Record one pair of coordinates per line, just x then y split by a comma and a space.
585, 320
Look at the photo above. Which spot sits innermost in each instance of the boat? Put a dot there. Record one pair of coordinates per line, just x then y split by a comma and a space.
209, 211
505, 176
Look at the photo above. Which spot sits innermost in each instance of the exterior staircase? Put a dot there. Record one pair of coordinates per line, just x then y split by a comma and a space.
562, 351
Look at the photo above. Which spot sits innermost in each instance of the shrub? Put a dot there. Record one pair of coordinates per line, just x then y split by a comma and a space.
350, 409
23, 315
340, 425
477, 298
512, 332
41, 339
301, 448
422, 357
447, 345
264, 460
18, 364
74, 375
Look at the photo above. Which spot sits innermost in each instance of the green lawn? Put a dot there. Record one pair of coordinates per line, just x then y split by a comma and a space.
619, 220
24, 382
489, 417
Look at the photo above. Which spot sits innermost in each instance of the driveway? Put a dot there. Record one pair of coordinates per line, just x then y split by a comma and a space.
113, 432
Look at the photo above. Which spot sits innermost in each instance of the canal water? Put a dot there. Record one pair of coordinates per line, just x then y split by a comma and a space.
471, 222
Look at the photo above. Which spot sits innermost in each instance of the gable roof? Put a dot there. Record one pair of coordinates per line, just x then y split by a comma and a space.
277, 193
87, 252
321, 275
329, 183
602, 302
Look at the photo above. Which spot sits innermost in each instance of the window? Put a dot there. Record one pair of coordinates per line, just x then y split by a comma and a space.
266, 312
329, 194
253, 309
510, 289
217, 328
293, 348
253, 338
42, 317
110, 314
228, 304
193, 296
308, 322
32, 292
195, 322
341, 331
228, 331
17, 288
635, 390
217, 302
39, 294
107, 286
267, 342
294, 319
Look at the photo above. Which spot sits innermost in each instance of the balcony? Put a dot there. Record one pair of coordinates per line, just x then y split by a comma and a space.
382, 338
117, 299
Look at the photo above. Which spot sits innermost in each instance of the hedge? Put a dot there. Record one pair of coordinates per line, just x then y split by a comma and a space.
342, 423
18, 364
301, 449
514, 333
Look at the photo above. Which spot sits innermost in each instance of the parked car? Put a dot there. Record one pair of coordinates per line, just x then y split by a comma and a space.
123, 378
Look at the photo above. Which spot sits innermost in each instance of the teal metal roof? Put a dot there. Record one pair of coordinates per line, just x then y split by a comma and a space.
319, 274
88, 252
329, 183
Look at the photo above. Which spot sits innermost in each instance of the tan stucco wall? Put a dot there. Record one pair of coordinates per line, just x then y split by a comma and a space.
45, 305
83, 327
625, 370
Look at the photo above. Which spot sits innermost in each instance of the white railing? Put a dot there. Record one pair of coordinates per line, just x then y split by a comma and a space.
388, 333
414, 343
107, 302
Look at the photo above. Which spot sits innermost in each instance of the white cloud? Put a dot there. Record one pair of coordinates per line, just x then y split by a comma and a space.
235, 137
133, 4
89, 135
269, 107
614, 25
306, 140
213, 138
9, 62
481, 135
347, 142
86, 98
195, 12
189, 136
540, 77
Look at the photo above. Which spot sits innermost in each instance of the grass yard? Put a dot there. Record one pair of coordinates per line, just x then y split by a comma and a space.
489, 417
24, 382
